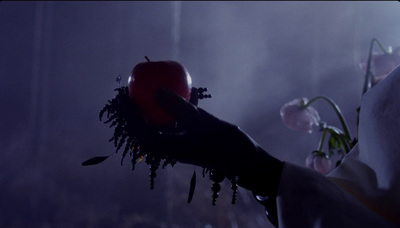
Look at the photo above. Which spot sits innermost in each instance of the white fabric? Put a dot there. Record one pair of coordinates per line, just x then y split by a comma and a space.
364, 191
307, 199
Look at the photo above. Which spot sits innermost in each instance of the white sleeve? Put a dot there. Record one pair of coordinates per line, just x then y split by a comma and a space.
307, 199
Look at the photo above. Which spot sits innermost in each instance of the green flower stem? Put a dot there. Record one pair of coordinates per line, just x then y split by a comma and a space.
380, 45
321, 142
337, 110
367, 82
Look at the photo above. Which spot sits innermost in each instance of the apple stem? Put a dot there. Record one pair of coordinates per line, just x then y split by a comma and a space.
148, 60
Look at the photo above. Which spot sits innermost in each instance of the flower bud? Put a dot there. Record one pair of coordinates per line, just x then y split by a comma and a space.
319, 162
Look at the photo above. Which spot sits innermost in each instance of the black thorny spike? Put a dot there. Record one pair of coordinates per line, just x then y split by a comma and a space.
217, 177
234, 188
154, 163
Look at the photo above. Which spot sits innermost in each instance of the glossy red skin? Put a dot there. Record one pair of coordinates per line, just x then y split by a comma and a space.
147, 77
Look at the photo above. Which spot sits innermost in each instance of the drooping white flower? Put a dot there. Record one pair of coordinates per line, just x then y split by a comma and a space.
297, 116
382, 64
319, 162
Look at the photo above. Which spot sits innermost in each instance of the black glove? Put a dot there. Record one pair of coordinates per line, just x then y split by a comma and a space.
199, 139
204, 140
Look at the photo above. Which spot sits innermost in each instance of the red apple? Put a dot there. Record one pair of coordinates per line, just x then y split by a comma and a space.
147, 77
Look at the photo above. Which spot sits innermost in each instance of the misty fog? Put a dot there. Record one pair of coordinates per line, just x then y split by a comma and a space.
58, 66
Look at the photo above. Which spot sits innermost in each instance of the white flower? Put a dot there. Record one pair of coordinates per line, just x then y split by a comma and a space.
319, 162
297, 116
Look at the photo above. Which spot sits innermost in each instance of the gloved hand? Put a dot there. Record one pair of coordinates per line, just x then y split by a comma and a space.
204, 140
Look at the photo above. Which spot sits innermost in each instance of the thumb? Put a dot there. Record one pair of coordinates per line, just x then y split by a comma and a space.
183, 111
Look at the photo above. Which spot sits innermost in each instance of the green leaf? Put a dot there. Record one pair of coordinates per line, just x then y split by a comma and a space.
192, 186
94, 160
337, 142
346, 142
332, 142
